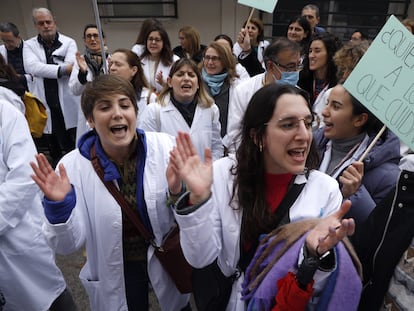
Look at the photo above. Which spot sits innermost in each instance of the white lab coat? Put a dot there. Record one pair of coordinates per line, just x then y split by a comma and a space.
204, 131
29, 277
97, 221
150, 76
29, 78
237, 107
11, 97
36, 64
213, 230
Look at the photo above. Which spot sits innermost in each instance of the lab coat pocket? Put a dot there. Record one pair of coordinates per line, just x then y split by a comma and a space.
94, 289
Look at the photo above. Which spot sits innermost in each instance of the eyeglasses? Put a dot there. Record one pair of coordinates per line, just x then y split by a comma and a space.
291, 124
41, 23
156, 40
289, 68
92, 35
212, 58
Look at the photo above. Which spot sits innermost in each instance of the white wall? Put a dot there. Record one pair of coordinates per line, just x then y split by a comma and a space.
210, 17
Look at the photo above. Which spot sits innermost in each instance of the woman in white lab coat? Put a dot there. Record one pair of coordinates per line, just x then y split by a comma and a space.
157, 58
184, 105
233, 201
81, 211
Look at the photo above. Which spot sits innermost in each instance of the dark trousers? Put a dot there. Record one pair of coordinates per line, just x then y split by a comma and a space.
137, 286
64, 302
383, 239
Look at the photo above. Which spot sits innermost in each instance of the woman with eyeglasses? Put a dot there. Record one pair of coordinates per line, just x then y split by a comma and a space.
218, 70
319, 70
232, 202
87, 67
349, 129
185, 105
157, 57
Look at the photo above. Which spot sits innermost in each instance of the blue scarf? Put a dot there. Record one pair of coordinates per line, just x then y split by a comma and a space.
214, 82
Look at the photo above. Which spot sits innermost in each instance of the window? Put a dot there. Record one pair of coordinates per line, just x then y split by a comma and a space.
129, 9
340, 17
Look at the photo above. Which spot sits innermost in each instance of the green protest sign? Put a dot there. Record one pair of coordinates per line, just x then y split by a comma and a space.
383, 80
263, 5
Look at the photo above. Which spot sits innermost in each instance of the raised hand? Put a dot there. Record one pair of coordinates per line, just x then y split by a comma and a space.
54, 186
330, 230
243, 39
351, 179
83, 67
186, 165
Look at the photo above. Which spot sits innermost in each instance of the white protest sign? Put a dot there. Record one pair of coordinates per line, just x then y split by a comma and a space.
383, 80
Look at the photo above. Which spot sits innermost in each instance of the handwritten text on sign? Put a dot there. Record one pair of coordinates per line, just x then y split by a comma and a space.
383, 80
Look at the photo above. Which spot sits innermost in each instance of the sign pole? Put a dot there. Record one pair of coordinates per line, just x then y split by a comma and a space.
98, 25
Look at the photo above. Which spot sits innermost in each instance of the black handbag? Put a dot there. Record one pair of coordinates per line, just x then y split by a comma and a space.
211, 288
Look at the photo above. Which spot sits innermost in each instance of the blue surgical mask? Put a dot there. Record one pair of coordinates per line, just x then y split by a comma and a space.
291, 77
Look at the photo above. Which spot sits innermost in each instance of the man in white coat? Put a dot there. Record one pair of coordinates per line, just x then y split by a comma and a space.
12, 51
29, 277
49, 57
282, 61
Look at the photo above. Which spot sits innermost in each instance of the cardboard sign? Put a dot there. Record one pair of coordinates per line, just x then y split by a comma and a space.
263, 5
383, 80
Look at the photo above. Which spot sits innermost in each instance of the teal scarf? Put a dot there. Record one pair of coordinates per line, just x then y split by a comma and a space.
214, 82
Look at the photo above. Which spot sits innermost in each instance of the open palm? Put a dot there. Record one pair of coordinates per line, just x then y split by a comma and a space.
54, 186
187, 165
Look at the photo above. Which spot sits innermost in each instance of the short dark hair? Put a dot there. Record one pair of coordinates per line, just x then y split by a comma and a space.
91, 26
277, 46
9, 27
104, 85
364, 35
313, 7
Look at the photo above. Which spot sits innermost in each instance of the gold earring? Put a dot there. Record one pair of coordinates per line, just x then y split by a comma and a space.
260, 147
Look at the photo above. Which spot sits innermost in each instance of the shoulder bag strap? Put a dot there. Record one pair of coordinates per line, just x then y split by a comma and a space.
282, 212
119, 198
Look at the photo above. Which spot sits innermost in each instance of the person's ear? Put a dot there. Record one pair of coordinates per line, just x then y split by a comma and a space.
169, 82
134, 70
257, 142
360, 120
91, 122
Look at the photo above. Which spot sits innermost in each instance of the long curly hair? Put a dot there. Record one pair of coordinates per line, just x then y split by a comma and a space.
249, 191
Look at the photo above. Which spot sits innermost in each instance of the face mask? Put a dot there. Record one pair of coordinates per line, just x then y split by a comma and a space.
291, 78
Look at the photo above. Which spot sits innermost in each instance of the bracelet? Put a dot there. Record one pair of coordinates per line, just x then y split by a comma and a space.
321, 256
